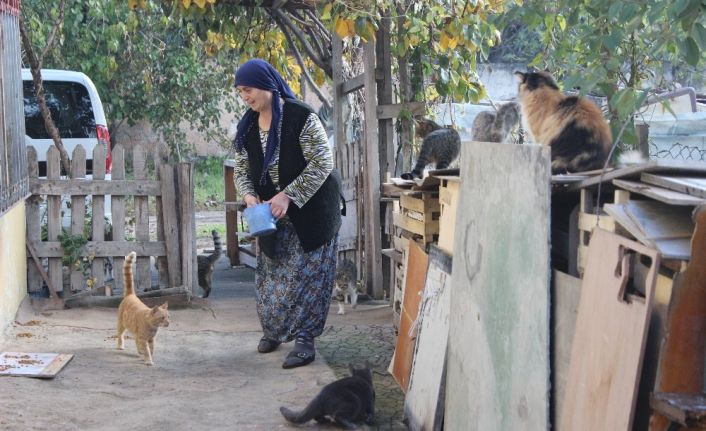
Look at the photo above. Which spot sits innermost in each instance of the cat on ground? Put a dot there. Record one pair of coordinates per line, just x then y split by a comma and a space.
491, 126
345, 288
141, 320
440, 145
346, 401
572, 126
206, 264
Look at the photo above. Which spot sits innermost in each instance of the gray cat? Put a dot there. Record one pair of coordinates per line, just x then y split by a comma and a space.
346, 401
440, 145
489, 126
206, 264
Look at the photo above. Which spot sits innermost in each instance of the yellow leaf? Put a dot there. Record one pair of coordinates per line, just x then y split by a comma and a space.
132, 4
200, 3
452, 42
341, 28
444, 42
351, 27
211, 1
319, 77
186, 3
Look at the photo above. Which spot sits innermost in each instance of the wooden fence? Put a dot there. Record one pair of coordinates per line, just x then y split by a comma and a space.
170, 194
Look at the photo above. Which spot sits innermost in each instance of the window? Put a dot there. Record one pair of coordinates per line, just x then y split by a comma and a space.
70, 107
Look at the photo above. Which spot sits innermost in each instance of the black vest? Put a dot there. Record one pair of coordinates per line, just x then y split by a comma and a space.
318, 221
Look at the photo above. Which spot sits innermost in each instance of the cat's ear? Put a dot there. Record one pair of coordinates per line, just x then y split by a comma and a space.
520, 76
351, 368
164, 306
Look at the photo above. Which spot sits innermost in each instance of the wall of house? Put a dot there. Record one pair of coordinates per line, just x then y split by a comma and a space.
13, 263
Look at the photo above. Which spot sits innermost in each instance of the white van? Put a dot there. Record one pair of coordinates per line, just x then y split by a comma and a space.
76, 110
78, 114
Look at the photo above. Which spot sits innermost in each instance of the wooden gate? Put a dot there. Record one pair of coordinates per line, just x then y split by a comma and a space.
169, 194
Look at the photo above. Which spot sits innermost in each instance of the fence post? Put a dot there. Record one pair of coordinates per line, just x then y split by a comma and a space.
78, 211
97, 215
54, 218
170, 224
187, 222
34, 230
117, 210
142, 217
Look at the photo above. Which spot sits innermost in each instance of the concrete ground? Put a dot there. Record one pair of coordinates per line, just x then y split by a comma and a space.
207, 374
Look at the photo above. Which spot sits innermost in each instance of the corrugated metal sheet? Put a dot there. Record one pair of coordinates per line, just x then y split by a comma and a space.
13, 156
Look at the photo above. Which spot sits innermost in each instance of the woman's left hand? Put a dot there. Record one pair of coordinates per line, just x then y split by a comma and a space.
279, 204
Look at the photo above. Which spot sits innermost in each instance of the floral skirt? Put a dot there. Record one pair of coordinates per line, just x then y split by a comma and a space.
294, 288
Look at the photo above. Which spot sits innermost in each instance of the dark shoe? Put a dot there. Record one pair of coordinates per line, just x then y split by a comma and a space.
266, 345
302, 354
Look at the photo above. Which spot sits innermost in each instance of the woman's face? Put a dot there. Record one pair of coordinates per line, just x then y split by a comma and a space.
258, 100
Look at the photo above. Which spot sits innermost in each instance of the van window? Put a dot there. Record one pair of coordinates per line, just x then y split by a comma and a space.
70, 107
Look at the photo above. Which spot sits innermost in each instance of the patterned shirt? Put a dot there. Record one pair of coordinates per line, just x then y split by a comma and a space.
319, 164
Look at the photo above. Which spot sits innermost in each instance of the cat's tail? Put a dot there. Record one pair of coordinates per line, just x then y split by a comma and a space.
127, 274
217, 246
305, 415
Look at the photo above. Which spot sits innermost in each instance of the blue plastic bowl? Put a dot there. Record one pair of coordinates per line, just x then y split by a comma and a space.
260, 219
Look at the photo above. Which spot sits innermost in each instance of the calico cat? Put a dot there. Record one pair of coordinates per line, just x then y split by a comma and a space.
346, 401
345, 288
206, 264
489, 126
440, 145
138, 318
572, 126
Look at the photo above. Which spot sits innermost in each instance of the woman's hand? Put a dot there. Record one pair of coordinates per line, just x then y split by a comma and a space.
250, 200
279, 204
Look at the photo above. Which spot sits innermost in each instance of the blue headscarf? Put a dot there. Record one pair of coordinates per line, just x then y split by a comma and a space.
258, 73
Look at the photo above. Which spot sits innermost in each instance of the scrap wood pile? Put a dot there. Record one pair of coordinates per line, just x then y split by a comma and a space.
641, 257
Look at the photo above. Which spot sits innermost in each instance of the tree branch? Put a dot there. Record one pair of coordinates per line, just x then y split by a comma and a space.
298, 56
35, 65
283, 21
324, 32
52, 34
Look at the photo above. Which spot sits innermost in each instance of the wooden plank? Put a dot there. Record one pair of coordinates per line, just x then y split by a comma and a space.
78, 211
423, 202
373, 232
384, 90
636, 171
499, 330
566, 291
104, 248
39, 365
394, 110
694, 186
423, 406
74, 187
187, 226
117, 210
34, 280
415, 276
231, 195
660, 221
663, 195
54, 218
351, 85
98, 219
688, 410
170, 225
142, 217
681, 363
601, 390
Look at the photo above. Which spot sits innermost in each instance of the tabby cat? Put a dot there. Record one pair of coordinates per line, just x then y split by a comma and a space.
138, 318
206, 264
489, 126
440, 145
345, 288
346, 401
572, 126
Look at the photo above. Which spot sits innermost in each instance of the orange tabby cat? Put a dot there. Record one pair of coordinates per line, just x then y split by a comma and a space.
138, 318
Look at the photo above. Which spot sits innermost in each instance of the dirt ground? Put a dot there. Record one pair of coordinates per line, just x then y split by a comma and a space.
207, 374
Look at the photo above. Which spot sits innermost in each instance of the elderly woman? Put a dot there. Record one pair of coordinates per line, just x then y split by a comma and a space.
282, 157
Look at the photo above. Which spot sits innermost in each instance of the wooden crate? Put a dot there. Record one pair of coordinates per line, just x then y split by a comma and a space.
448, 200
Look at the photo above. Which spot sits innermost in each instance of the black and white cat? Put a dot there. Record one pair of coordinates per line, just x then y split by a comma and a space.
346, 401
440, 145
345, 289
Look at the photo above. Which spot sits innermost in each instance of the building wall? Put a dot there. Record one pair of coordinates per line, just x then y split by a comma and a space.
13, 263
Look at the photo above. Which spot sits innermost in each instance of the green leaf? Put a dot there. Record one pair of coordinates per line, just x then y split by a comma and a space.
690, 50
698, 32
